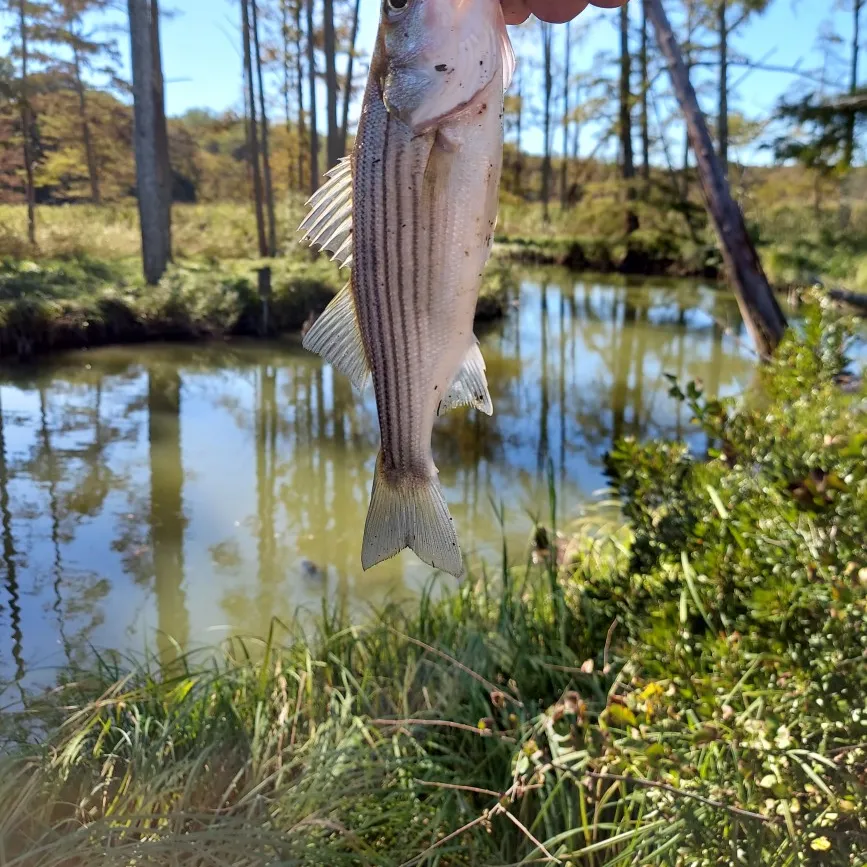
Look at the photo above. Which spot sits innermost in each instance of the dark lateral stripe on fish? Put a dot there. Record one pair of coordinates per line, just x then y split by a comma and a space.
370, 305
388, 344
391, 178
399, 236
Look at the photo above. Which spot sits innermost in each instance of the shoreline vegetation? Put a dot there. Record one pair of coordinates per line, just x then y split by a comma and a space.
81, 303
681, 686
83, 288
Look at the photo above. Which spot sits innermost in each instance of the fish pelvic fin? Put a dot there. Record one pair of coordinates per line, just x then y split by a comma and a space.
410, 512
336, 337
470, 385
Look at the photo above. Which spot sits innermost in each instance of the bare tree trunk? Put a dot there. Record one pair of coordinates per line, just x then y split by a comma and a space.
576, 134
645, 95
519, 133
155, 254
284, 27
92, 171
723, 116
311, 75
347, 92
27, 125
330, 46
252, 129
849, 152
549, 87
299, 82
759, 308
564, 165
164, 166
626, 156
690, 33
266, 157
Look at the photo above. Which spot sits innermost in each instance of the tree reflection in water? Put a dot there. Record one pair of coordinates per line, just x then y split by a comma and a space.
170, 490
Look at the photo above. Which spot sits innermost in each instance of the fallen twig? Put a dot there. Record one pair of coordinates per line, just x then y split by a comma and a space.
444, 723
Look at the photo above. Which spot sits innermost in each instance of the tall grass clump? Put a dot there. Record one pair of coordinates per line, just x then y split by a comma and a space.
684, 690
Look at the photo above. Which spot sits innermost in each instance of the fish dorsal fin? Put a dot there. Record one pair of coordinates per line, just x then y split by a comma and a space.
470, 386
337, 338
328, 224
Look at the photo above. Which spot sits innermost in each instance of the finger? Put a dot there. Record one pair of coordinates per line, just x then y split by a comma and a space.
557, 11
515, 11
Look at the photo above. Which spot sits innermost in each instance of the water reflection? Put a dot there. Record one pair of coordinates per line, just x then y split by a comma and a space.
165, 496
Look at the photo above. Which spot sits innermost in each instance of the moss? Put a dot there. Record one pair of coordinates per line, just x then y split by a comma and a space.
71, 304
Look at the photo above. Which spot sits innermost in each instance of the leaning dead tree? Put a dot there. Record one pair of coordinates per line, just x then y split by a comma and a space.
758, 305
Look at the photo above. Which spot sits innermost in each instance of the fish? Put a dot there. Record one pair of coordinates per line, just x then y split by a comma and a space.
411, 212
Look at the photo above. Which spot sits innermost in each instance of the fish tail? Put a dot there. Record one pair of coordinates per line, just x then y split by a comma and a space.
410, 513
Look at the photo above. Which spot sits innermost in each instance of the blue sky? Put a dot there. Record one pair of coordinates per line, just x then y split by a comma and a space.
202, 60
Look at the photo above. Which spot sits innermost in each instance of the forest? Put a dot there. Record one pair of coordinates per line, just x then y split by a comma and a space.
629, 202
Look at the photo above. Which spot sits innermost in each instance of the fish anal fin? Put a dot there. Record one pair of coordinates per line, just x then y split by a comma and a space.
410, 512
337, 338
470, 385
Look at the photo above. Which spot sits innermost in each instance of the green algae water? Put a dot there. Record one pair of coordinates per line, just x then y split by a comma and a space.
159, 496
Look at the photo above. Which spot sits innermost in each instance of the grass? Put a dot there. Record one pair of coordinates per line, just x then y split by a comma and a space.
199, 232
77, 303
799, 244
84, 288
686, 688
80, 302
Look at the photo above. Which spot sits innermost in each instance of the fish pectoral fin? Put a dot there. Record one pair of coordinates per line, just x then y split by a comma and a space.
337, 338
510, 62
470, 386
328, 224
410, 514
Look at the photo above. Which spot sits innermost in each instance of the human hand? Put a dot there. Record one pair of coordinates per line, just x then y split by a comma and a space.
555, 11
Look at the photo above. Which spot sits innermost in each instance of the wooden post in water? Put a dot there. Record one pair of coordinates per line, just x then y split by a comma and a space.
264, 278
758, 305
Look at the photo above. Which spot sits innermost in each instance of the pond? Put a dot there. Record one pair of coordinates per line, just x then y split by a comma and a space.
161, 493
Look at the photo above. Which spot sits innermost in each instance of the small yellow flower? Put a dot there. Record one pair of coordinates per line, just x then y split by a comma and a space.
821, 844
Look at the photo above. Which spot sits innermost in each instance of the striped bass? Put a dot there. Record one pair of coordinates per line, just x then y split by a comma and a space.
412, 211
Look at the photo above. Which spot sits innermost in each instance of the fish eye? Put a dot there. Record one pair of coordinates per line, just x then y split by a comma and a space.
397, 5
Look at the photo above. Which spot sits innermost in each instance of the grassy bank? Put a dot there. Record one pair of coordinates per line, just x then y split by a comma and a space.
688, 690
82, 286
82, 302
800, 243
